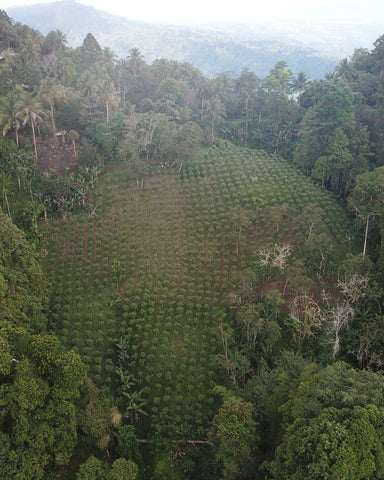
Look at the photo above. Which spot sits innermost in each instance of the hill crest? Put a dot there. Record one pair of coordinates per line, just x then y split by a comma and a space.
212, 48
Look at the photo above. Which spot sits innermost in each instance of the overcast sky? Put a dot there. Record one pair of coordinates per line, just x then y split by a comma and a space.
211, 10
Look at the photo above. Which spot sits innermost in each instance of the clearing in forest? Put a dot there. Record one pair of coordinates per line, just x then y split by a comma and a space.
152, 269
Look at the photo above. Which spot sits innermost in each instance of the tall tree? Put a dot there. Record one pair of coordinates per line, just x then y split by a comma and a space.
87, 85
31, 113
367, 198
9, 60
6, 186
169, 97
55, 42
74, 137
215, 111
279, 78
299, 84
378, 57
31, 47
222, 87
136, 61
91, 52
232, 434
246, 86
9, 110
331, 141
345, 70
50, 91
108, 94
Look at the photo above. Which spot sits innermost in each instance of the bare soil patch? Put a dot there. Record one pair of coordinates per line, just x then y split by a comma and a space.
56, 155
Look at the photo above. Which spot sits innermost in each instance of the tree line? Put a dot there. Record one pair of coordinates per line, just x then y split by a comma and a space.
129, 110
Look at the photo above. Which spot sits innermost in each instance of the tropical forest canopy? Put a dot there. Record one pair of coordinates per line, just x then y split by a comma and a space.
191, 268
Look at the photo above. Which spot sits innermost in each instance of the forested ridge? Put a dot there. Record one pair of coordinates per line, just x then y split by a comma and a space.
210, 48
191, 268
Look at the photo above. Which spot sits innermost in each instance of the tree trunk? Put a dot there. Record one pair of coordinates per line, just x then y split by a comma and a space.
74, 148
107, 108
53, 123
366, 236
9, 211
246, 115
34, 141
17, 135
202, 108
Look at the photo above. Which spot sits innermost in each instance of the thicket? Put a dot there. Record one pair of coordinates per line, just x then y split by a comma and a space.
214, 253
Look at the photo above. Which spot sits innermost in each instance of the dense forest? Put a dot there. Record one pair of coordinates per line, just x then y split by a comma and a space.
191, 268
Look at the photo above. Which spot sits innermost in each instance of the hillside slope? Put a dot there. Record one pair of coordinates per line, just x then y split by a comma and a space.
166, 248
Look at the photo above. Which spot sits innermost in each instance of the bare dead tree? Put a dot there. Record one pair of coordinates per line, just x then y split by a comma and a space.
306, 315
338, 318
147, 141
275, 256
354, 288
365, 356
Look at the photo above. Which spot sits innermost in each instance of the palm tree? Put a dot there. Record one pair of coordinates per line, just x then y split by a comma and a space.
32, 113
55, 42
10, 57
345, 70
136, 61
246, 87
6, 186
50, 90
183, 115
223, 85
299, 84
9, 109
30, 51
109, 59
87, 83
215, 112
107, 92
199, 85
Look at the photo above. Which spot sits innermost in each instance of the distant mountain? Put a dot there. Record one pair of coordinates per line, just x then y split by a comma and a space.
211, 48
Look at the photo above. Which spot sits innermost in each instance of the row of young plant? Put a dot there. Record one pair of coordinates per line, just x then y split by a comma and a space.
169, 347
167, 246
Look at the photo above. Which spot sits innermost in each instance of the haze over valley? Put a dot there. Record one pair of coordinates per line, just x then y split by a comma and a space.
311, 44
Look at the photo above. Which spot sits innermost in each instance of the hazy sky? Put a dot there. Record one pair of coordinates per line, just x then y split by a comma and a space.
208, 10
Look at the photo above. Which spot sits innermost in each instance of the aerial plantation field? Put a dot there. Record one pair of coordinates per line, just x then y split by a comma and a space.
143, 285
176, 303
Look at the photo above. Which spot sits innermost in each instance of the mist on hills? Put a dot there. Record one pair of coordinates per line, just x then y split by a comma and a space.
313, 46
